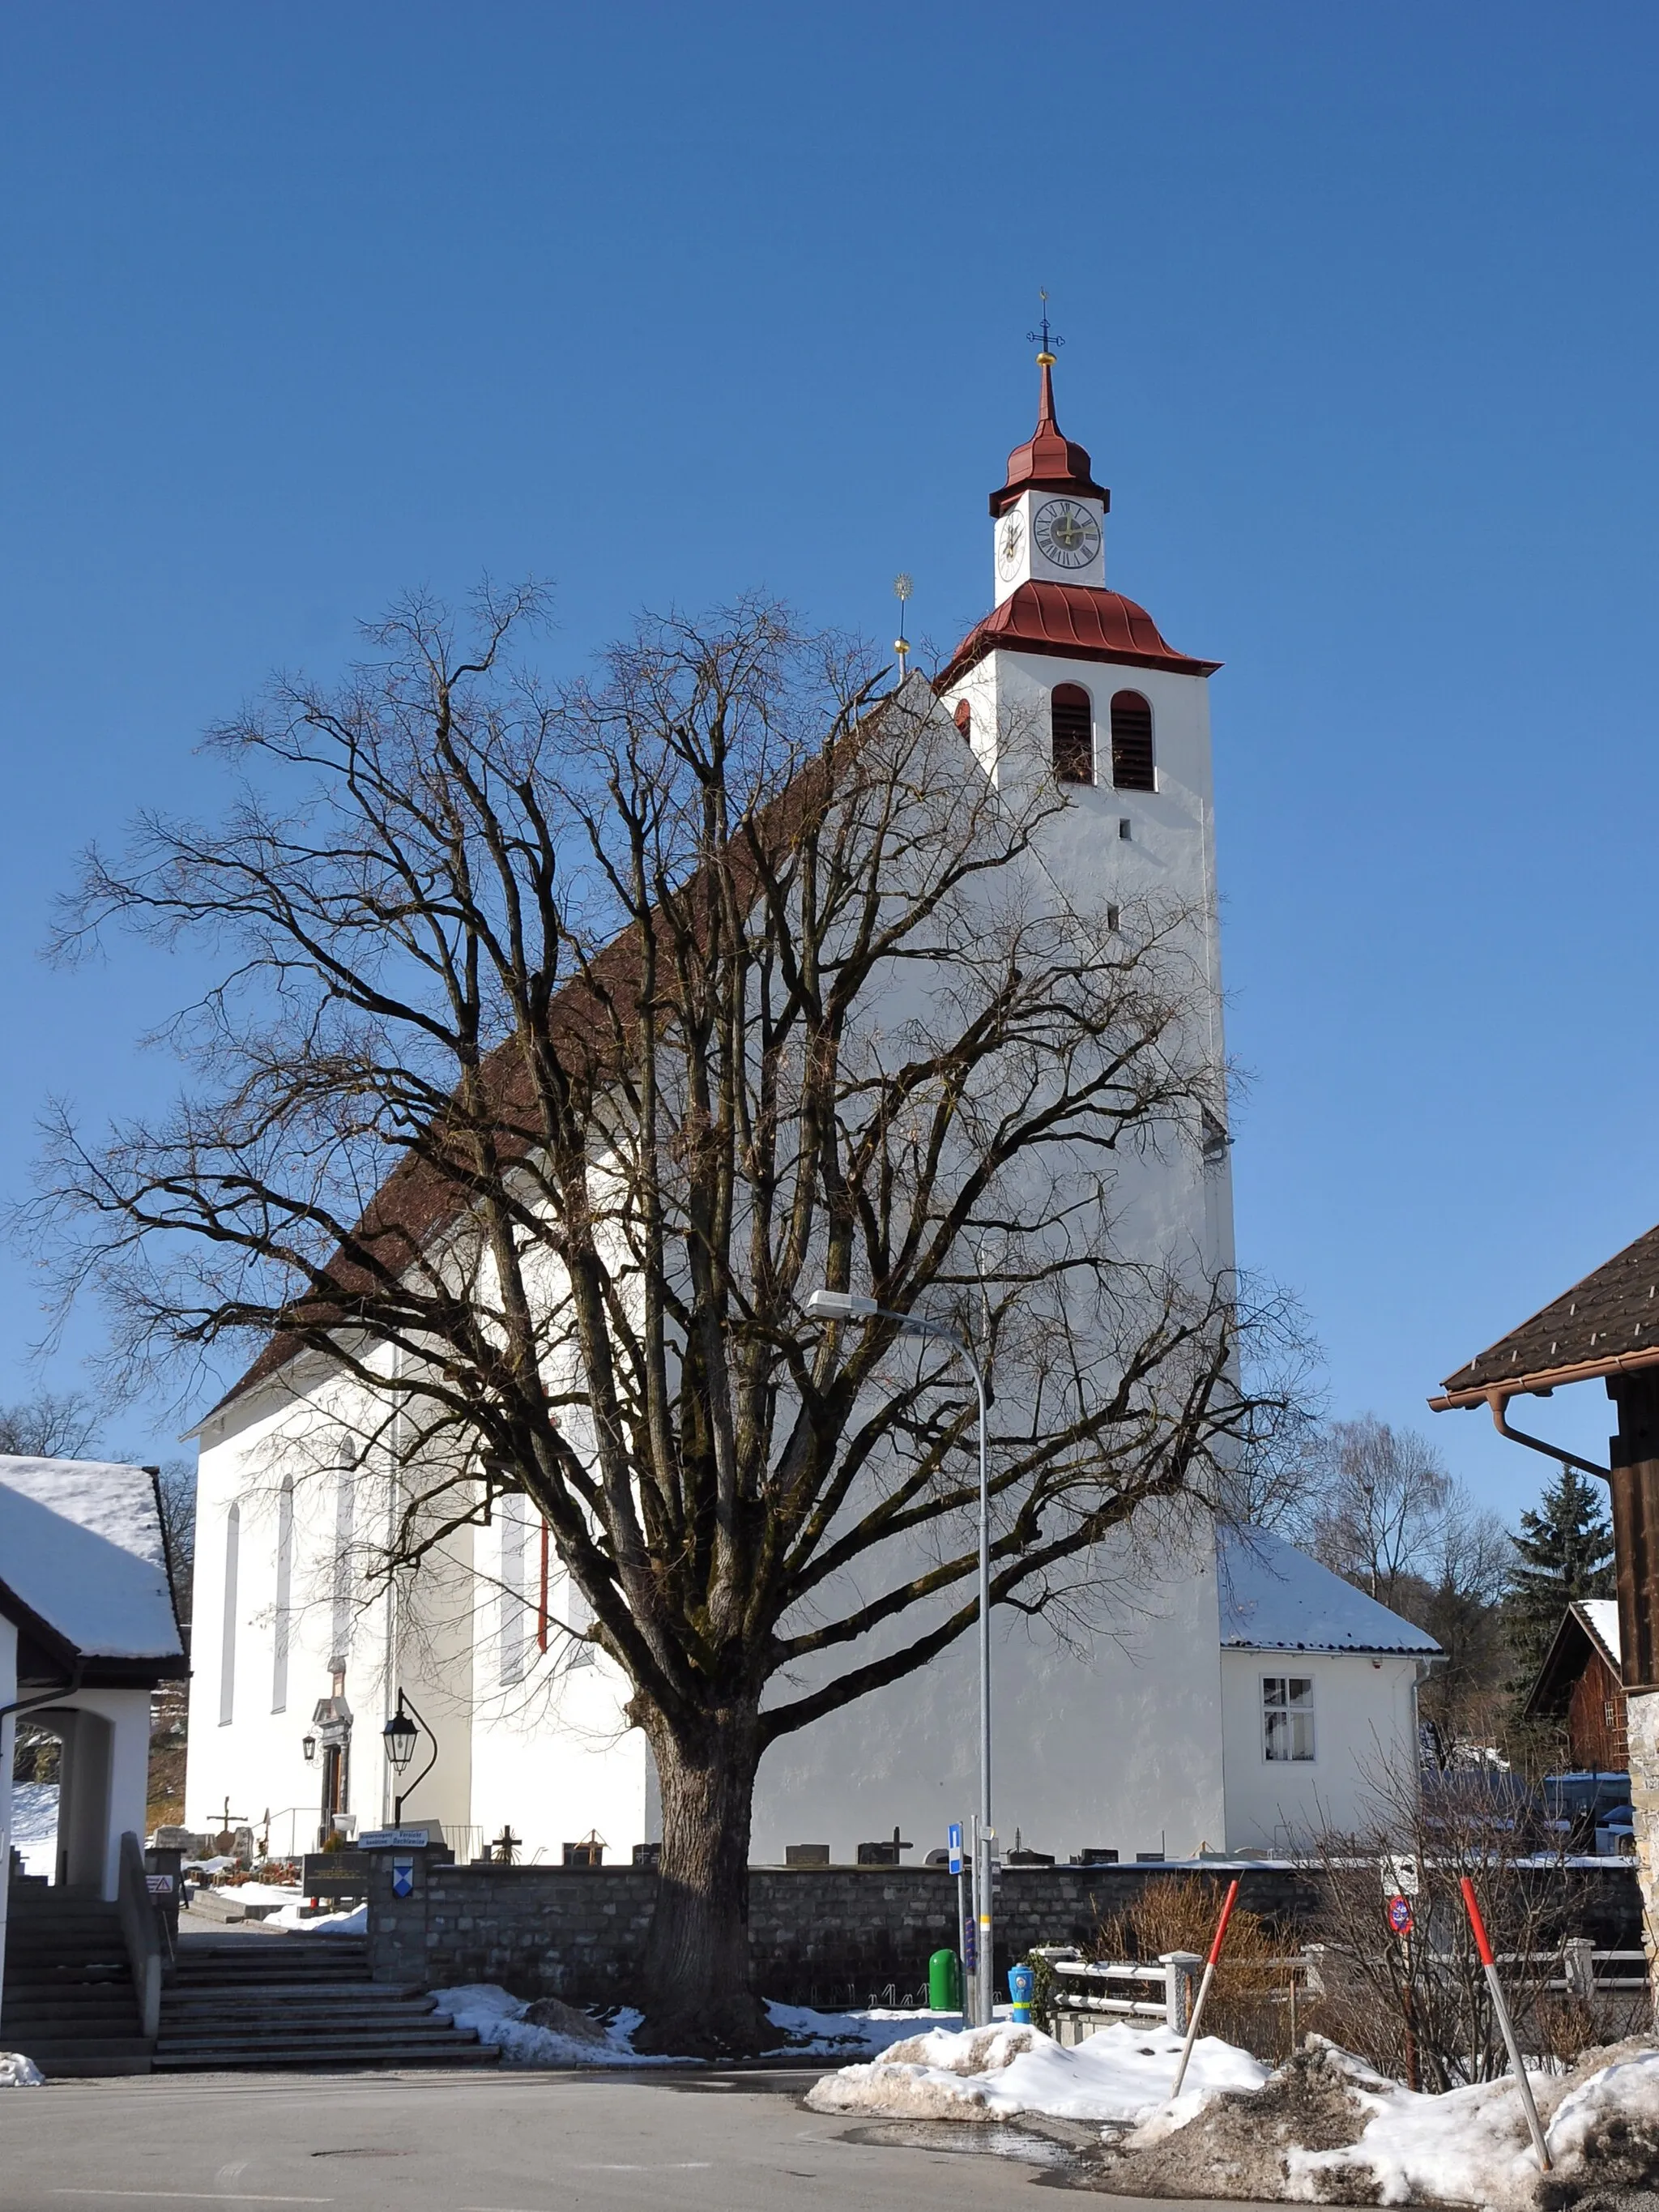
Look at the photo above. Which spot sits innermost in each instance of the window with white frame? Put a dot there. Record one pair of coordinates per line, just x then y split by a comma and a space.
1287, 1716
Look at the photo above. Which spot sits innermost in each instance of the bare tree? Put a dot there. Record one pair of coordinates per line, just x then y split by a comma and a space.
1381, 1497
53, 1425
566, 1041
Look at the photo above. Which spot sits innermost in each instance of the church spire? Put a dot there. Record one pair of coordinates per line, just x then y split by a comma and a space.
1048, 461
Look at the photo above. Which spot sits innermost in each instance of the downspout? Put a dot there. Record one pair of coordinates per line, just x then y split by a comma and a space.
1498, 1400
46, 1697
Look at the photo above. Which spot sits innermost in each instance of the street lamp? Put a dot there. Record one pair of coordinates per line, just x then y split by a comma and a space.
400, 1735
846, 1305
308, 1747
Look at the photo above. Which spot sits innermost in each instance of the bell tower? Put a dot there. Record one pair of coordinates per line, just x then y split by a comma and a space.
1049, 517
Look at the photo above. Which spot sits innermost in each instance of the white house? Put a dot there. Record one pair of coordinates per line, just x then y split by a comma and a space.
1136, 1738
88, 1628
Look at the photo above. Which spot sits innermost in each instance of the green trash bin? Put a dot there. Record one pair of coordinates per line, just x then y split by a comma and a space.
944, 1982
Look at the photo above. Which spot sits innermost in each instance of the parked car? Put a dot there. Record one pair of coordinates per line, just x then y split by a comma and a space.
1581, 1805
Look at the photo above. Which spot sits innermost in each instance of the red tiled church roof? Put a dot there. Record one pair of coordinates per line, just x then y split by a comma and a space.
1081, 620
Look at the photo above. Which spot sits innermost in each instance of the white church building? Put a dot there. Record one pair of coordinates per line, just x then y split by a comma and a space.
1243, 1694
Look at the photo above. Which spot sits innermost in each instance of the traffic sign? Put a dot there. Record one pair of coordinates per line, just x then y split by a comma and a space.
953, 1839
1399, 1915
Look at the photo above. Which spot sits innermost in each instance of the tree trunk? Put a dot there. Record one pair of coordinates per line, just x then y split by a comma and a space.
697, 1995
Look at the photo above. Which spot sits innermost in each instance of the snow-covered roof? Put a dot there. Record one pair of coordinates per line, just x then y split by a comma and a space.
1275, 1598
81, 1547
1602, 1617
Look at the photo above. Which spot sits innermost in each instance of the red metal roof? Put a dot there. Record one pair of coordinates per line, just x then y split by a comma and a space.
1081, 620
1048, 461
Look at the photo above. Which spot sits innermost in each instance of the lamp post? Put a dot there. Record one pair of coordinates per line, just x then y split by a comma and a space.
844, 1305
400, 1735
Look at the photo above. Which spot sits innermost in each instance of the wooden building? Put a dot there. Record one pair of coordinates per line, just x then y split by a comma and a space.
1580, 1687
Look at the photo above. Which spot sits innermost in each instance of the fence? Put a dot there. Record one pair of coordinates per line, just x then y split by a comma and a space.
1083, 1999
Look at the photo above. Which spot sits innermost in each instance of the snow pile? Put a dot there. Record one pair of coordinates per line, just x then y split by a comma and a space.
35, 1825
507, 2022
1472, 2146
17, 2072
1323, 2129
1123, 2076
808, 2034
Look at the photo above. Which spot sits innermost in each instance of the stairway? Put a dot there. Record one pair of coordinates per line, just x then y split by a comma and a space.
298, 2001
69, 2000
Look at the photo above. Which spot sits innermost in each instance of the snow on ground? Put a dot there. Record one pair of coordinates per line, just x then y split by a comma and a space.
848, 2034
1239, 2131
500, 2019
34, 1826
1121, 2074
17, 2072
1472, 2146
355, 1922
264, 1892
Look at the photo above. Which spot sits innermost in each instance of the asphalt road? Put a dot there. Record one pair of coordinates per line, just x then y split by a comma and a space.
506, 2143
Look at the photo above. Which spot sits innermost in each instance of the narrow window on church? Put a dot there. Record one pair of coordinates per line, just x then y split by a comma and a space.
284, 1596
1287, 1716
964, 718
1132, 743
1113, 918
346, 1508
512, 1616
1072, 731
228, 1632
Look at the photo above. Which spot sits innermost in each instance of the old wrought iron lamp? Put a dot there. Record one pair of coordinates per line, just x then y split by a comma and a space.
309, 1746
400, 1735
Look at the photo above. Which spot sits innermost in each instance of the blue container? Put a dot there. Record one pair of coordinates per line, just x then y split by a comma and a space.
1022, 1981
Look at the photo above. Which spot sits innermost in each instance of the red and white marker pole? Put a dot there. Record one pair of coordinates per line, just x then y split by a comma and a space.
1489, 1964
1228, 1903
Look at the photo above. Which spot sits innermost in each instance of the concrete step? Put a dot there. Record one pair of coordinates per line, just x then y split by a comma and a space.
315, 2055
291, 1991
78, 2056
199, 2016
436, 2027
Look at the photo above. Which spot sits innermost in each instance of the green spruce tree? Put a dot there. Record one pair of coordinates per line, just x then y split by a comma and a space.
1564, 1552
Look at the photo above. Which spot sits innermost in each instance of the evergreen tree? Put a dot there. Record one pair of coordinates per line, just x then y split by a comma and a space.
1564, 1552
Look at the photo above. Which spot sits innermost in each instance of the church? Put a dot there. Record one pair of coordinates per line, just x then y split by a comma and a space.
1239, 1696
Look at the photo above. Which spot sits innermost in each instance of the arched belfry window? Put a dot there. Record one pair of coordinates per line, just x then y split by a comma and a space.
1072, 728
1132, 743
964, 718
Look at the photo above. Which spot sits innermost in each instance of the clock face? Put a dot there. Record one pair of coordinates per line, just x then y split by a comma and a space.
1066, 533
1010, 538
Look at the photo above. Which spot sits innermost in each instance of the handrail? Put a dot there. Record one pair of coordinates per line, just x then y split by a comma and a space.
141, 1935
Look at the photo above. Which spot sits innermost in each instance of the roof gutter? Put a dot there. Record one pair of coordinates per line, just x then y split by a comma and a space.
1498, 1401
1543, 1380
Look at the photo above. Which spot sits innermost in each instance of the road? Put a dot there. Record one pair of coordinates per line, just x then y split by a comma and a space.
459, 2142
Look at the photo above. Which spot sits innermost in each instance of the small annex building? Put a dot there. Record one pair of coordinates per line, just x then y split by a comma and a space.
88, 1627
1318, 1694
1581, 1686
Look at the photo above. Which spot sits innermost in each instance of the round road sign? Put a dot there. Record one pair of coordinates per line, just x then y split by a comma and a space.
1399, 1915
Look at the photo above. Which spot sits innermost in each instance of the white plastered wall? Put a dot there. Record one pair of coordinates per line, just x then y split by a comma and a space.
1364, 1726
7, 1741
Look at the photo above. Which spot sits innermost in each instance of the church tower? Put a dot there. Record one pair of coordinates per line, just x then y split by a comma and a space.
1068, 679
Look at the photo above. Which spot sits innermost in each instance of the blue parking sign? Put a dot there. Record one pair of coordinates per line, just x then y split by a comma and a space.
953, 1840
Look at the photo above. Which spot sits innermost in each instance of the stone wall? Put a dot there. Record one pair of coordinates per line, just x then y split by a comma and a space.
818, 1935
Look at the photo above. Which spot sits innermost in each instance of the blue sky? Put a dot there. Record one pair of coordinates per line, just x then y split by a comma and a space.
306, 305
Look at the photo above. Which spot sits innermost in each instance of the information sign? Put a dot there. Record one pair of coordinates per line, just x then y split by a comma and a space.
392, 1839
